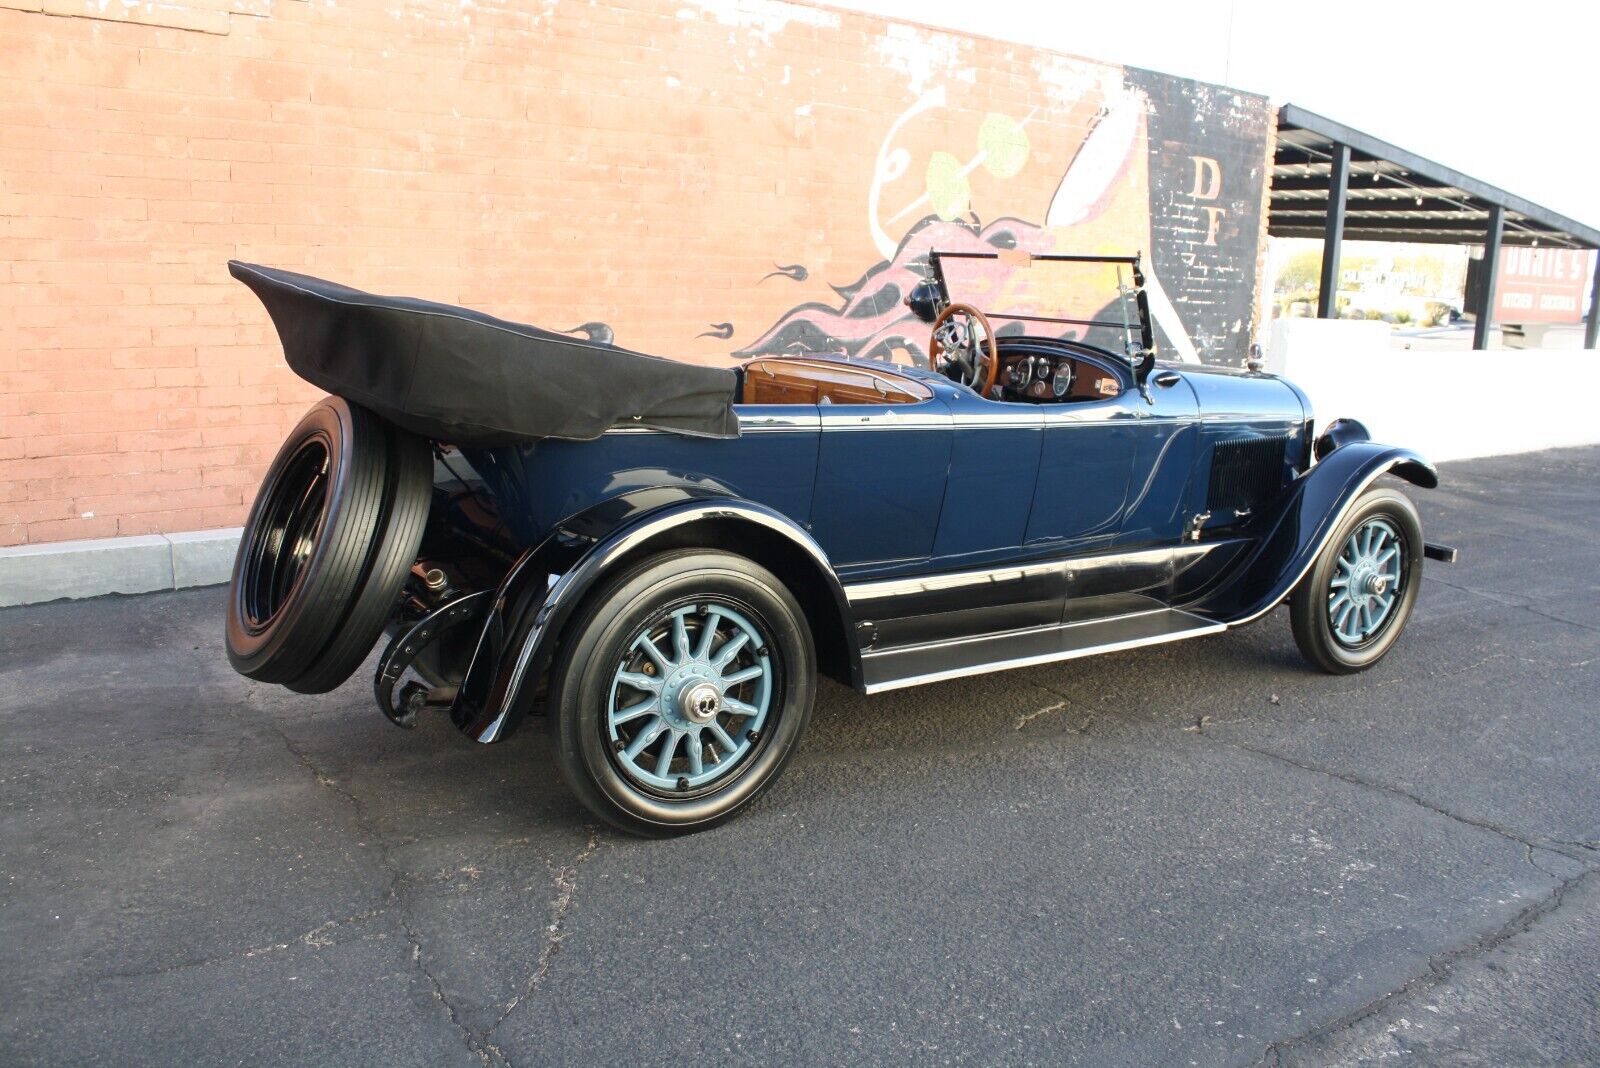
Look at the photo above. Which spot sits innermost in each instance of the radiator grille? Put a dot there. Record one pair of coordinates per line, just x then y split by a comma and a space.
1245, 472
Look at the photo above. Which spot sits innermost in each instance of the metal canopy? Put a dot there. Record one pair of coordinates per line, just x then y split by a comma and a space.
1332, 182
1395, 195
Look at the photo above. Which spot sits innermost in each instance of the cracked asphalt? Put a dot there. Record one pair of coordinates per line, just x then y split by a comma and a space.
1198, 854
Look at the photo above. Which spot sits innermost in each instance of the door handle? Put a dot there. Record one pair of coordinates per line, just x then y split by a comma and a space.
1168, 379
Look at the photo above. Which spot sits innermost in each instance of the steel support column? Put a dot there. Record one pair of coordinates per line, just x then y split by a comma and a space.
1491, 277
1338, 193
1590, 331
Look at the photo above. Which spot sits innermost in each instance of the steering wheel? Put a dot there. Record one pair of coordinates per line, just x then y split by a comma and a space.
957, 353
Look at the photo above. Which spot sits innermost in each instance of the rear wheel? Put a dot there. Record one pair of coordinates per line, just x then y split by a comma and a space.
1349, 610
681, 692
330, 538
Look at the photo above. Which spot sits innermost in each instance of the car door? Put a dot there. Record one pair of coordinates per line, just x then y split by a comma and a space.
1085, 466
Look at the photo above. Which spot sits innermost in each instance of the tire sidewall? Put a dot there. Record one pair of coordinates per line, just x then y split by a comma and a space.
581, 687
255, 651
1311, 606
374, 511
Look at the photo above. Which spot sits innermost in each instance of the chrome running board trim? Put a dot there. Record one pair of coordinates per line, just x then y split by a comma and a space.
892, 669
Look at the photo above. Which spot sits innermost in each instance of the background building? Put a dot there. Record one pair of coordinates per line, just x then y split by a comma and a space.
700, 181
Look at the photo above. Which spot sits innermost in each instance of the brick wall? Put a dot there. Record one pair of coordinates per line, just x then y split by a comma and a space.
698, 179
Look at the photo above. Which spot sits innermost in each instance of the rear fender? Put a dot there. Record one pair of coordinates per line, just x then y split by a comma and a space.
1313, 507
543, 590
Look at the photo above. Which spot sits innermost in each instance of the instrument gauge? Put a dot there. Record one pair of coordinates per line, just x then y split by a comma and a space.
1061, 384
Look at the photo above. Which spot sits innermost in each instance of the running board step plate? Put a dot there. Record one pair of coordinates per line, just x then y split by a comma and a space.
1445, 554
890, 669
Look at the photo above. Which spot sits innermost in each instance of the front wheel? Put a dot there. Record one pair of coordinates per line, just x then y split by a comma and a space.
681, 692
1350, 608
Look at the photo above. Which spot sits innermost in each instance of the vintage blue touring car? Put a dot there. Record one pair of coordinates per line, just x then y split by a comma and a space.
660, 558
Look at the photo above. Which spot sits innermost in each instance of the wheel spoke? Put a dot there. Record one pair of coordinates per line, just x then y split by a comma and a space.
754, 671
733, 704
1381, 614
691, 748
680, 637
721, 738
655, 654
729, 650
633, 712
708, 634
644, 738
1383, 561
669, 749
640, 681
1340, 599
1339, 582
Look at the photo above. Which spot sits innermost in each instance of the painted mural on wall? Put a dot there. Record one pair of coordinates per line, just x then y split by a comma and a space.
1162, 166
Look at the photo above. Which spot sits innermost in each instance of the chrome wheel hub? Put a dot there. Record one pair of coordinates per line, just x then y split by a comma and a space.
1366, 582
701, 702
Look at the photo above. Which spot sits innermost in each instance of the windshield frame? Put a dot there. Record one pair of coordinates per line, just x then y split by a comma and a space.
1141, 352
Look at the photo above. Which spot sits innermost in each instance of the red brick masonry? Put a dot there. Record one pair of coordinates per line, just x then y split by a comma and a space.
695, 176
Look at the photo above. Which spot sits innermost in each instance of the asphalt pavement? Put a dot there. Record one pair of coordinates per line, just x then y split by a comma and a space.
1197, 854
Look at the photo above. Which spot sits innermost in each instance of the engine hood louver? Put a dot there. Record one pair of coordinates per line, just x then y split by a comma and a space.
1245, 471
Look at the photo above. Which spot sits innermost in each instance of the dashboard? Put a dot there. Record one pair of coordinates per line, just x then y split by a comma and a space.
1040, 377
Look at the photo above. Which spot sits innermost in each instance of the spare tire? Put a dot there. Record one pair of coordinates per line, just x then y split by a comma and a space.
330, 538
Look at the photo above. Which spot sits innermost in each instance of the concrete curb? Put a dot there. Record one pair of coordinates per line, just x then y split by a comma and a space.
30, 574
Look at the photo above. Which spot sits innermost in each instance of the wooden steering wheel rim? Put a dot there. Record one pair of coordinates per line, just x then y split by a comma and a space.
936, 347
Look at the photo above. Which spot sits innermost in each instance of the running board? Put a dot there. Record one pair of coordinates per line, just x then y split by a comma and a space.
890, 669
1445, 554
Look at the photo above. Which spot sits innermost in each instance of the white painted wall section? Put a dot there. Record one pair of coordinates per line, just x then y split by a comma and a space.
1445, 405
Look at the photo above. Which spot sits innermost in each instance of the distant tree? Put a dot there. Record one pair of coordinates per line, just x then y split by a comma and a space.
1303, 270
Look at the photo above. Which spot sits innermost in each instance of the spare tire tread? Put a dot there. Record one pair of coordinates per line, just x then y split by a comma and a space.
405, 503
295, 640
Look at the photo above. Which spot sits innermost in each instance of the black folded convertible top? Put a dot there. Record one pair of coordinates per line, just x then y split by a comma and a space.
466, 378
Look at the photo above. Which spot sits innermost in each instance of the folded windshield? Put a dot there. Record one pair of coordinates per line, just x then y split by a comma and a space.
1096, 299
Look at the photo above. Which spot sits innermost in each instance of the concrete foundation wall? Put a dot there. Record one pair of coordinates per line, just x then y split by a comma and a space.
91, 567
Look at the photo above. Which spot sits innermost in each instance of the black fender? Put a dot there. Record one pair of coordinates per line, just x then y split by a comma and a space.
1312, 508
538, 596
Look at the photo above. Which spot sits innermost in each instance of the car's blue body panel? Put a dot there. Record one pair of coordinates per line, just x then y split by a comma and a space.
940, 536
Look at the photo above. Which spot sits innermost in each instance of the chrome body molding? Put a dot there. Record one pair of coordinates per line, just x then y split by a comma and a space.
860, 593
939, 661
769, 421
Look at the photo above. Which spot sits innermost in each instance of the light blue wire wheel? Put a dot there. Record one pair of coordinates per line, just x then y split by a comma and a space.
690, 698
1368, 582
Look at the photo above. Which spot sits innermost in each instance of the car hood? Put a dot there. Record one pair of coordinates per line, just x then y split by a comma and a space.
1229, 392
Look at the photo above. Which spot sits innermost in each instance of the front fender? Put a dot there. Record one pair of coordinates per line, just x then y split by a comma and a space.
544, 588
1314, 506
